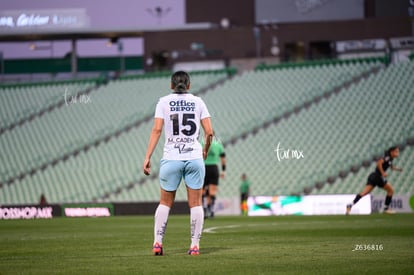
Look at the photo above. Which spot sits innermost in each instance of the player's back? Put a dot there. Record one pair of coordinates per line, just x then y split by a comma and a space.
182, 115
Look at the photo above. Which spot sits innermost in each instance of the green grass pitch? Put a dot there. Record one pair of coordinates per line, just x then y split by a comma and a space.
373, 244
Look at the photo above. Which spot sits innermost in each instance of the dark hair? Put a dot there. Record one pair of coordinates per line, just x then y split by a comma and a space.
180, 80
388, 152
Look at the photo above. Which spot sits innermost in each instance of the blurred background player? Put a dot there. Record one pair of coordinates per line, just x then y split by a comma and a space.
43, 200
379, 178
215, 156
180, 114
244, 194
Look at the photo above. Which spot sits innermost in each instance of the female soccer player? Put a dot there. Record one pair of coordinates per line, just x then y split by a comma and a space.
379, 178
180, 114
244, 194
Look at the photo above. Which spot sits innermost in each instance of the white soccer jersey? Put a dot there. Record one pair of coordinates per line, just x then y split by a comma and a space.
182, 115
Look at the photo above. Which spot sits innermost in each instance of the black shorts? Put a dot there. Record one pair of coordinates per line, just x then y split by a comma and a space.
376, 179
212, 175
244, 197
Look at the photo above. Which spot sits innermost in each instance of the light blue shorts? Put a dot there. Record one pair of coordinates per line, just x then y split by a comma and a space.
172, 171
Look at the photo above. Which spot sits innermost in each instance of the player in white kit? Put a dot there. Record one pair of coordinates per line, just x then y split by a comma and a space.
180, 114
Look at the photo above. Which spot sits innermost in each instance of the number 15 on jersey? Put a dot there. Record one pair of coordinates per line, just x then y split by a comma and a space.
187, 125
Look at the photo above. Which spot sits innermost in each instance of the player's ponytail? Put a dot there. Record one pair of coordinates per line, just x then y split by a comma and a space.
180, 88
180, 81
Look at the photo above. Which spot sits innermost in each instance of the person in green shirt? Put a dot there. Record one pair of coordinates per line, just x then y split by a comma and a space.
215, 156
244, 194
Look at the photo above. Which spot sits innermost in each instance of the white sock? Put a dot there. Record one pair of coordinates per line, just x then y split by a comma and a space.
160, 222
197, 221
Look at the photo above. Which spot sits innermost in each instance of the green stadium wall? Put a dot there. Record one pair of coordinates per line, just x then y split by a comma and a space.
62, 65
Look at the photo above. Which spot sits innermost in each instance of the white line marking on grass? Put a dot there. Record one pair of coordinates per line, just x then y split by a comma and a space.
213, 229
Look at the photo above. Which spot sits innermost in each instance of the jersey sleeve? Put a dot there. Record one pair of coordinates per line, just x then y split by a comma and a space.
204, 111
159, 110
222, 153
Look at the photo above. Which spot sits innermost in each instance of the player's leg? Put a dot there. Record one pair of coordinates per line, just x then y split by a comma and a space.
367, 189
205, 196
213, 180
212, 187
193, 175
161, 219
170, 177
390, 191
207, 179
196, 219
243, 204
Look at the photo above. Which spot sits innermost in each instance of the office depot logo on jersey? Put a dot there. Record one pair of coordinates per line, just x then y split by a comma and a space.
182, 105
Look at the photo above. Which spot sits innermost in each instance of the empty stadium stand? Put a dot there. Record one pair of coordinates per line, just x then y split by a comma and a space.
57, 152
341, 115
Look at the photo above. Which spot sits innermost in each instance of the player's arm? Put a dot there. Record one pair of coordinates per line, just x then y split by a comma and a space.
379, 166
223, 164
152, 143
208, 135
393, 168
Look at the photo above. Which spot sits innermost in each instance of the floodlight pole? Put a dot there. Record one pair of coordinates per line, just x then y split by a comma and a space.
121, 57
73, 59
2, 63
411, 14
256, 33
